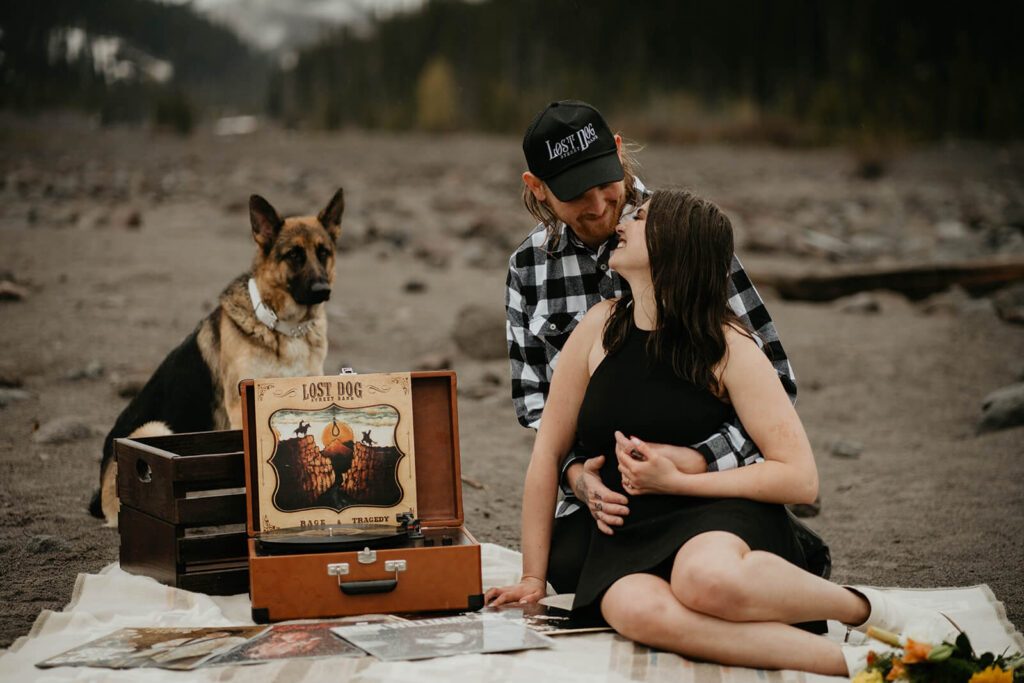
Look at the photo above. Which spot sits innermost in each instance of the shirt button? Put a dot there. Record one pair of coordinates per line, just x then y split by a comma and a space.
603, 266
552, 326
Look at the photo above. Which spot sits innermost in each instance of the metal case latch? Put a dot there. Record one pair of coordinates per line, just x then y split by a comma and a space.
366, 556
338, 569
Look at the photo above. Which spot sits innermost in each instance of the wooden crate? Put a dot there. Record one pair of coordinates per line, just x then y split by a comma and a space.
183, 510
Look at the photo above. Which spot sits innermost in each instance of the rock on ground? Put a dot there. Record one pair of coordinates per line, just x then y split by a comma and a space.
1002, 409
62, 430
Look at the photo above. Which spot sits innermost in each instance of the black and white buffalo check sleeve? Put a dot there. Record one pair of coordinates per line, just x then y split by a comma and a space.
528, 360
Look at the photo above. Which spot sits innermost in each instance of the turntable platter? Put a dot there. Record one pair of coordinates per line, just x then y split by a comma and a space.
332, 538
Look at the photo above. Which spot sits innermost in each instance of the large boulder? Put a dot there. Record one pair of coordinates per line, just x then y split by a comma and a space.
480, 332
1009, 303
63, 430
1002, 409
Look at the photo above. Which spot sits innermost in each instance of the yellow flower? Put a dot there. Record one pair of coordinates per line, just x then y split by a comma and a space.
993, 674
873, 676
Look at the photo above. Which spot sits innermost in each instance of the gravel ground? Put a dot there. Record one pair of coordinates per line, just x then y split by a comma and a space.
116, 242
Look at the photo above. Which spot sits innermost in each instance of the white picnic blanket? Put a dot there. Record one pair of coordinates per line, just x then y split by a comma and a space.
113, 599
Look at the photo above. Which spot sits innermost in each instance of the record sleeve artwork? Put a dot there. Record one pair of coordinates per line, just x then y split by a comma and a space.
334, 450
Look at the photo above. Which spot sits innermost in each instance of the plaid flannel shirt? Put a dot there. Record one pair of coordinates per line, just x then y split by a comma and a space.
548, 290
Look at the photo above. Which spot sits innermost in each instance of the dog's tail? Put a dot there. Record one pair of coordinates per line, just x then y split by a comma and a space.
105, 503
96, 505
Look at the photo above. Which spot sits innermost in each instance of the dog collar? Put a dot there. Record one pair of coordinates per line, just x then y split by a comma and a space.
265, 314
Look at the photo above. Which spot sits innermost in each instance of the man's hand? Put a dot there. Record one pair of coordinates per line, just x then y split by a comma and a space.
646, 468
606, 506
529, 589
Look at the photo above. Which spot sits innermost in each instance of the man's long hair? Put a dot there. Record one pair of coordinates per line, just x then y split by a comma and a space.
542, 212
690, 248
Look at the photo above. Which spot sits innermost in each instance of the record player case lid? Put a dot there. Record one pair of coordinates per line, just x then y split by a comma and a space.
435, 433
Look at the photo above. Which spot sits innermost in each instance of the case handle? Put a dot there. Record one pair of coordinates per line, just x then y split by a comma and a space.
368, 587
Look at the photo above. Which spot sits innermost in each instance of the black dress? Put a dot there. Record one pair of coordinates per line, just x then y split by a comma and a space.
627, 394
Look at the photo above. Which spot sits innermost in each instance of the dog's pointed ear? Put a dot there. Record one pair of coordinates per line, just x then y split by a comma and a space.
266, 224
330, 217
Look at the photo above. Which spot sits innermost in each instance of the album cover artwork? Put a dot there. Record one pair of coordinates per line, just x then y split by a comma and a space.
164, 648
442, 637
334, 450
288, 641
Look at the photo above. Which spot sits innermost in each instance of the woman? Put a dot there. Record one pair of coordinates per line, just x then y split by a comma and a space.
705, 564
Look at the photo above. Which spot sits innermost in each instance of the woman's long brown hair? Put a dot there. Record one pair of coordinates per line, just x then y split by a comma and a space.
690, 247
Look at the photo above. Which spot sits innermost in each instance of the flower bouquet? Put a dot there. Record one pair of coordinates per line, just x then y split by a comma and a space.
920, 662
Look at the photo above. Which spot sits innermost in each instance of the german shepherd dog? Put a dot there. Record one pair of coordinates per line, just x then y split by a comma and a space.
270, 322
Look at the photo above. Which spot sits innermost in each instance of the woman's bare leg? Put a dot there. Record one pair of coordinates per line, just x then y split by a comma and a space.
716, 573
643, 607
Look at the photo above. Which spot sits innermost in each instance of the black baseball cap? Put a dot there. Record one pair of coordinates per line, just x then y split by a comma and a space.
570, 147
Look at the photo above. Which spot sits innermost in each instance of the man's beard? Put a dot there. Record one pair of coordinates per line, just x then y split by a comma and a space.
605, 229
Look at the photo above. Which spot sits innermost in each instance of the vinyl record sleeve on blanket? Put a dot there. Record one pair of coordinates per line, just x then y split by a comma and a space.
442, 637
288, 641
164, 648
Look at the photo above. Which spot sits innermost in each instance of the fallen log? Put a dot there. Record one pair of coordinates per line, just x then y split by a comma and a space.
914, 281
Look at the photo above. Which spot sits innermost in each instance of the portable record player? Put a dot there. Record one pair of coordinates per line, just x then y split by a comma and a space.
354, 499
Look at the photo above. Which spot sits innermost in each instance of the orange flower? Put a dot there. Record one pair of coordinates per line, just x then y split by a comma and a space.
915, 651
900, 671
993, 674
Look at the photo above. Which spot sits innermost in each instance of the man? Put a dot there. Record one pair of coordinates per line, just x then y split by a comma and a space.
579, 183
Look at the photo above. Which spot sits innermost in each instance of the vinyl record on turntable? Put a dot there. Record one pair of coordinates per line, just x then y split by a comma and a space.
331, 538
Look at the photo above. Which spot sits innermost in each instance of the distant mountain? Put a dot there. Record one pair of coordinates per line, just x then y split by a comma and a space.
281, 27
95, 53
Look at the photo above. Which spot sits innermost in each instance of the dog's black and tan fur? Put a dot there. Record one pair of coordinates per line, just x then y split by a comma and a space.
196, 386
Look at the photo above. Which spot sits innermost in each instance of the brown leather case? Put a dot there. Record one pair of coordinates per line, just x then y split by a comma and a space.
443, 576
